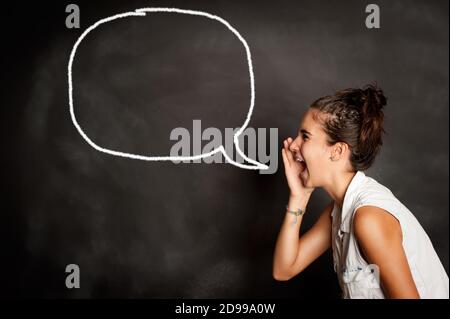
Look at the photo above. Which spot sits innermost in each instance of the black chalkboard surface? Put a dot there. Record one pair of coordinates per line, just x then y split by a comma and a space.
155, 229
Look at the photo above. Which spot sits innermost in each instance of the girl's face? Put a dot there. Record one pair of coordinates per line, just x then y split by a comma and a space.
311, 146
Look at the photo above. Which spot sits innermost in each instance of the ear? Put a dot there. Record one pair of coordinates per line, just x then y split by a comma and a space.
339, 150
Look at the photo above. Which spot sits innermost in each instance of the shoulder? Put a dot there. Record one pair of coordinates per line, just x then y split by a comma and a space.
372, 193
371, 188
372, 223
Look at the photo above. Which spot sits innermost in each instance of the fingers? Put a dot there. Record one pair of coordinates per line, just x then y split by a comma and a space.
290, 140
287, 142
287, 153
285, 160
284, 152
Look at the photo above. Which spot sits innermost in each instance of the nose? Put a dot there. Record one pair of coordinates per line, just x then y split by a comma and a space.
295, 145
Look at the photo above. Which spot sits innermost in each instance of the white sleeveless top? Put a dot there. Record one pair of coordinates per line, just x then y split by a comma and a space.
360, 280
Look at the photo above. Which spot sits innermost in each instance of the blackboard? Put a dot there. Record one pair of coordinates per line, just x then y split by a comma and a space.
199, 230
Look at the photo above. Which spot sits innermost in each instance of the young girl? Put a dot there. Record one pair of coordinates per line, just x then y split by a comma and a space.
379, 248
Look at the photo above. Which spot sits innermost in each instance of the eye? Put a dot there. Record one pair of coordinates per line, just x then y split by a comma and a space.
304, 136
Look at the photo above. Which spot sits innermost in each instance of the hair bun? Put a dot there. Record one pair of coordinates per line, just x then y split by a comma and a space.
373, 98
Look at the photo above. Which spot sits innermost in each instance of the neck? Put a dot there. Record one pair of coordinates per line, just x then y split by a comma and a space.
338, 186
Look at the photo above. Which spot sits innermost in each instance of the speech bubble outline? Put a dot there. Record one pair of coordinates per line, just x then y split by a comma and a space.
142, 12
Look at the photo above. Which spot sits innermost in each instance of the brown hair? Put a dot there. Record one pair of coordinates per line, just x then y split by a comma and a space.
354, 116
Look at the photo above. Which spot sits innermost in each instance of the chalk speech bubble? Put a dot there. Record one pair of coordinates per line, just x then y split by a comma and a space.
142, 13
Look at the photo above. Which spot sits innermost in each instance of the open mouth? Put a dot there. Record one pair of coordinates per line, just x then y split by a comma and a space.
301, 161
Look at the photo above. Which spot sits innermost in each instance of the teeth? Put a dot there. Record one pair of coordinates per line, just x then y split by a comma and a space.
298, 159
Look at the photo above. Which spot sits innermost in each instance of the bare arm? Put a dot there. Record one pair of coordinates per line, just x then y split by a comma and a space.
380, 237
293, 254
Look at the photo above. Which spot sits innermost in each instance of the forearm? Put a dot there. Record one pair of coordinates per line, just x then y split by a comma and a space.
286, 248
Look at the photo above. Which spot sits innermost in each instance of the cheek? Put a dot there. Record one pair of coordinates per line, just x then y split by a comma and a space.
309, 153
315, 156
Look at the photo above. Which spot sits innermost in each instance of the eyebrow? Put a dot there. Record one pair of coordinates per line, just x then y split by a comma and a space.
305, 131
